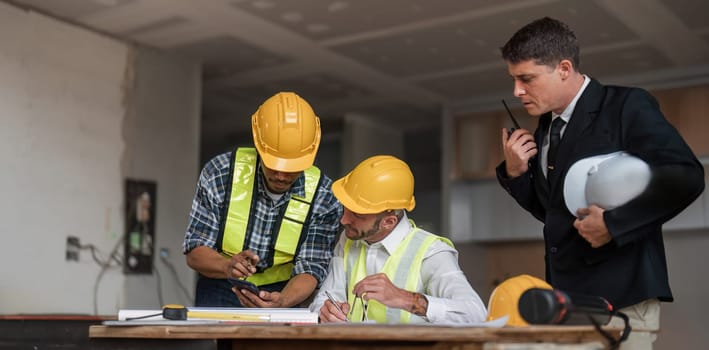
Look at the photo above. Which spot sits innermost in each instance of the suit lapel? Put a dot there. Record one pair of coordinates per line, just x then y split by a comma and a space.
584, 113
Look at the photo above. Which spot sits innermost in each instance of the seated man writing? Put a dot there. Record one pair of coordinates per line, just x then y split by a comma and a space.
385, 268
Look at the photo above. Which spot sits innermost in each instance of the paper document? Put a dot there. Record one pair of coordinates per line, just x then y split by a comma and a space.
496, 323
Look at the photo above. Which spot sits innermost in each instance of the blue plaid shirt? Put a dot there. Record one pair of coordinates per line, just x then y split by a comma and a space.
208, 204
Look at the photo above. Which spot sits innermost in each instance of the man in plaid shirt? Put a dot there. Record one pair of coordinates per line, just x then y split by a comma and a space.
264, 215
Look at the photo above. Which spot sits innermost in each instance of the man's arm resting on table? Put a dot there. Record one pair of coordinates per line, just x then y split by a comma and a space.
298, 289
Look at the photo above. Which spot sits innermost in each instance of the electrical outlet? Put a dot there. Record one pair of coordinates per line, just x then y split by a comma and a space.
164, 253
72, 248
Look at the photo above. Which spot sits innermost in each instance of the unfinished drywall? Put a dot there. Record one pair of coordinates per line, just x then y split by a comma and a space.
74, 124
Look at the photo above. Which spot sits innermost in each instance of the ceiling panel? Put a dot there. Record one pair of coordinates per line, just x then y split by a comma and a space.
318, 19
431, 50
471, 42
73, 8
623, 62
316, 89
157, 26
226, 55
693, 13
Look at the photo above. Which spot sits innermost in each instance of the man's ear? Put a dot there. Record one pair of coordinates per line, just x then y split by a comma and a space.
565, 69
389, 222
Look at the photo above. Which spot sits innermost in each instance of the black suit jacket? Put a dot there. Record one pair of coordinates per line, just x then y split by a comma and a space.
632, 267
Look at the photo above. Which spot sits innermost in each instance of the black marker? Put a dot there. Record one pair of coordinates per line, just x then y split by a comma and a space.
514, 121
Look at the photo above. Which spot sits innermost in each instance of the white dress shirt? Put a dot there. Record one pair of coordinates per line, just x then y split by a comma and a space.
566, 116
450, 297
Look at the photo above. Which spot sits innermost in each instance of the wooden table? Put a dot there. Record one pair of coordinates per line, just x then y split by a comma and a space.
48, 331
351, 337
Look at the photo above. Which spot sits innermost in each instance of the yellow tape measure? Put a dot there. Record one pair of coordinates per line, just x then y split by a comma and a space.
181, 313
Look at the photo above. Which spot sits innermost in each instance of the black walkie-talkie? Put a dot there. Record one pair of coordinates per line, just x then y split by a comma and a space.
514, 121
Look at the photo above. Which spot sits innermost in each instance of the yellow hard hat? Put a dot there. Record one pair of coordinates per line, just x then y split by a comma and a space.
286, 133
377, 184
504, 300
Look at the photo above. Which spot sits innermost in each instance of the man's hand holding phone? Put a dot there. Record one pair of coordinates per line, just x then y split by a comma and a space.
250, 295
241, 266
241, 284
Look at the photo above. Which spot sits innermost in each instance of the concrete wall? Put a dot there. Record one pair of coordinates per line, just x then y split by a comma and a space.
80, 113
682, 322
161, 133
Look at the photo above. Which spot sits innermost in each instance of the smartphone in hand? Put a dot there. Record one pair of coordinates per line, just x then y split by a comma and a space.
244, 284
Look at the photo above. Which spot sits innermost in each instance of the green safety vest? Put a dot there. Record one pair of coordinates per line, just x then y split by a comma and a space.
403, 268
232, 233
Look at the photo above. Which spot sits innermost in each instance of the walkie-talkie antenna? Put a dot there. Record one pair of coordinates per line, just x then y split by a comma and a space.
514, 121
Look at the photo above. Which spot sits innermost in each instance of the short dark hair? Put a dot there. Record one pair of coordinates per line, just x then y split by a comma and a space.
547, 41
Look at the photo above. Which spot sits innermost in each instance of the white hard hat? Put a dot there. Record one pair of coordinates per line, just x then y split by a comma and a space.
608, 181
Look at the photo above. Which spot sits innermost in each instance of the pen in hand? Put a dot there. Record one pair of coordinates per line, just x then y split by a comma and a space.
336, 303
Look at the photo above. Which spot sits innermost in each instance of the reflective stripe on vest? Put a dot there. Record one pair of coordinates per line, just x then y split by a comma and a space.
291, 226
403, 268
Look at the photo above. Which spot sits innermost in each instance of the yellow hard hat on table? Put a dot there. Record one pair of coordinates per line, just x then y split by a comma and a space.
504, 300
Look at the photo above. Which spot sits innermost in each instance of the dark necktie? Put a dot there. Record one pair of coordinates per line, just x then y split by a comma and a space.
554, 139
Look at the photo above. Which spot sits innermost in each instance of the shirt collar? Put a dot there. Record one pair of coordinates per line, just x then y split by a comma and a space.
566, 114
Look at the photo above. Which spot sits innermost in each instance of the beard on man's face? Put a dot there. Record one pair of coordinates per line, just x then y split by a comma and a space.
362, 234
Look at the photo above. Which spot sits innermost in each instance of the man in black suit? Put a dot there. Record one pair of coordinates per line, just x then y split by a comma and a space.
617, 253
